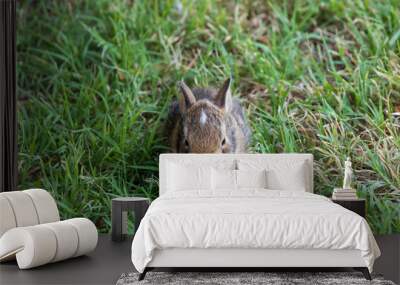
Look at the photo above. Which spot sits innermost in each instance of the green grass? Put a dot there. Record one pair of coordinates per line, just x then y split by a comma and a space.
95, 79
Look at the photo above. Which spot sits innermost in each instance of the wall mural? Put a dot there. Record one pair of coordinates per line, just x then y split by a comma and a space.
98, 99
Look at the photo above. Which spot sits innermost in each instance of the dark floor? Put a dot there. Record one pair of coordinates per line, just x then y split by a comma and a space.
389, 263
103, 266
111, 259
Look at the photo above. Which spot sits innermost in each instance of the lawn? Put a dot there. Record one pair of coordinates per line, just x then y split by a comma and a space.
95, 79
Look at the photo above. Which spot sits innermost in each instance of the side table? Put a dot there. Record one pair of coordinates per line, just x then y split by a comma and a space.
355, 205
119, 215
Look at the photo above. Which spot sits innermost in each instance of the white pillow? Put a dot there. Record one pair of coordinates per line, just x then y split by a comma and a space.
181, 177
293, 180
224, 179
282, 174
251, 178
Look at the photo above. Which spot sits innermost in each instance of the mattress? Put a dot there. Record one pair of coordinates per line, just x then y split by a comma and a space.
250, 219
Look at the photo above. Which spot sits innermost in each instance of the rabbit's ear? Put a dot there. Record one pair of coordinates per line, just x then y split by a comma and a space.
224, 96
186, 99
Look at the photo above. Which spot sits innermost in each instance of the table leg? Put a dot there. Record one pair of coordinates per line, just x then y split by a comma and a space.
116, 221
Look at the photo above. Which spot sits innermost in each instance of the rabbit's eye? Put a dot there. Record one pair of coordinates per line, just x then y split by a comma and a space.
186, 144
223, 142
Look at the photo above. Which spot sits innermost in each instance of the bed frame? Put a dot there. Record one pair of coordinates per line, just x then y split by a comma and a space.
249, 259
236, 259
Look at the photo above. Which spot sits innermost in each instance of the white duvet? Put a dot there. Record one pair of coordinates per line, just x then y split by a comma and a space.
250, 219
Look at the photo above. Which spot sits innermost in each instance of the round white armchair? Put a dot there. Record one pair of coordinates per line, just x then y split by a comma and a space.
31, 230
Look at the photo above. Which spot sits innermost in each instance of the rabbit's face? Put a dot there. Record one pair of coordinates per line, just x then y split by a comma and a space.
204, 129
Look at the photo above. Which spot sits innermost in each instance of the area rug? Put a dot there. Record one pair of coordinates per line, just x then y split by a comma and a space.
269, 278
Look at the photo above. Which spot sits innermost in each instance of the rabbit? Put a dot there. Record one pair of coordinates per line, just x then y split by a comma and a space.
205, 120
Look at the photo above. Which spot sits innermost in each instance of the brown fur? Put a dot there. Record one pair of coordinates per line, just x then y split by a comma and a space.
205, 120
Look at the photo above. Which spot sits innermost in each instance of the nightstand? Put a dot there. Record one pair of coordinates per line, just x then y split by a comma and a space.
356, 205
119, 217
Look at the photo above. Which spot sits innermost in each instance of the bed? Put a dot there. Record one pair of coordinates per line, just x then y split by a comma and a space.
247, 210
